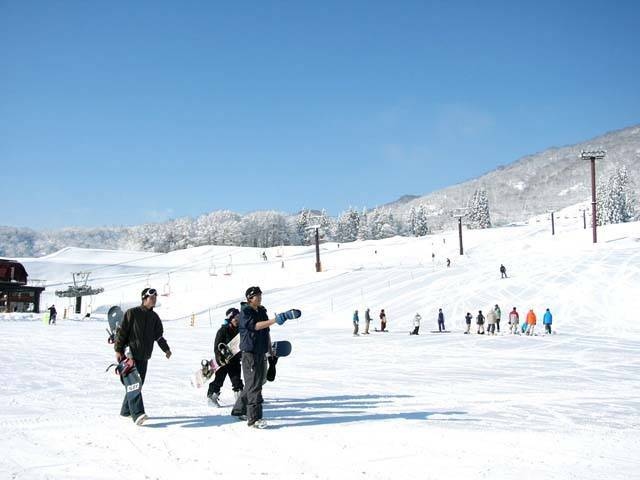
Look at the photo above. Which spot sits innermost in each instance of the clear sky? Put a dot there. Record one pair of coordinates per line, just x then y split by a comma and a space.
120, 113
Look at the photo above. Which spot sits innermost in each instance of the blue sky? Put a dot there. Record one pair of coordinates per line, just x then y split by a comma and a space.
120, 113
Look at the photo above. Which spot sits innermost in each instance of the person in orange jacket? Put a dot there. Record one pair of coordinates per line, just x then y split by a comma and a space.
531, 321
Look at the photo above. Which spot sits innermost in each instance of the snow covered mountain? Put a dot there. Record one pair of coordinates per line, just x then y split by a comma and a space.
552, 179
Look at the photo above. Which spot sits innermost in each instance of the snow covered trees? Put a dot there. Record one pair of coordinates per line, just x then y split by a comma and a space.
614, 197
478, 210
418, 225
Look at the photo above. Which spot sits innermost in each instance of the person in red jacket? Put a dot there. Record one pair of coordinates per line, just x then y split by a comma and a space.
531, 321
514, 321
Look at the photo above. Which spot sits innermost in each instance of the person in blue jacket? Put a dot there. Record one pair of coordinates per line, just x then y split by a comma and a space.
547, 320
356, 322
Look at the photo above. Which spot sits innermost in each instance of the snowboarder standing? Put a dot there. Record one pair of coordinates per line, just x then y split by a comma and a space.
441, 321
503, 271
467, 319
383, 321
531, 322
255, 343
448, 262
416, 324
52, 314
356, 323
514, 320
547, 320
480, 322
498, 313
140, 328
367, 321
225, 334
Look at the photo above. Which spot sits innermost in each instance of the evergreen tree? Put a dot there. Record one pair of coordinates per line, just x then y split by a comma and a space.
615, 200
478, 209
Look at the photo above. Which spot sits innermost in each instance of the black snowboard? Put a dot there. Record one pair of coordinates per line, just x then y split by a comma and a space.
114, 316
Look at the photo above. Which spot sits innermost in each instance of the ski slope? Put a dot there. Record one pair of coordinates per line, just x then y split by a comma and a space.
429, 406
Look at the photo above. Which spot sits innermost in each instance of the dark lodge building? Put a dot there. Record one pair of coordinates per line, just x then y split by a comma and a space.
15, 294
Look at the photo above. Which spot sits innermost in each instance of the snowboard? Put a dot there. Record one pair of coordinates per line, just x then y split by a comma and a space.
114, 316
438, 331
378, 330
208, 368
130, 378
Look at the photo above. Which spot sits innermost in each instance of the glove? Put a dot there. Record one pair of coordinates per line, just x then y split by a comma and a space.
288, 315
168, 353
119, 357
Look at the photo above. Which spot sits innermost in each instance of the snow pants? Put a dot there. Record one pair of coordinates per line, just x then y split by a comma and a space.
133, 405
441, 326
233, 370
249, 403
514, 328
547, 328
355, 328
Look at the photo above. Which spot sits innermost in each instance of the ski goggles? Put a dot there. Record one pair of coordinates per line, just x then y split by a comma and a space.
149, 292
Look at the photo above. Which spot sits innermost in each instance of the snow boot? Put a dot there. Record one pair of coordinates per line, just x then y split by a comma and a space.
213, 399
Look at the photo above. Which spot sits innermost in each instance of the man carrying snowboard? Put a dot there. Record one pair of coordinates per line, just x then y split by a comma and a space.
140, 327
255, 343
225, 335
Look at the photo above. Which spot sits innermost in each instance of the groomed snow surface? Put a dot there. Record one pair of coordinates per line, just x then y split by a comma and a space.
384, 405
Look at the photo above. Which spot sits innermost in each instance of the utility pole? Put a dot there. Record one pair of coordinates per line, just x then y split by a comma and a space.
592, 156
584, 218
317, 239
318, 265
459, 213
553, 223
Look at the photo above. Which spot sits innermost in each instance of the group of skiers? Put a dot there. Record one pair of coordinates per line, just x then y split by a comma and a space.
367, 322
492, 320
141, 327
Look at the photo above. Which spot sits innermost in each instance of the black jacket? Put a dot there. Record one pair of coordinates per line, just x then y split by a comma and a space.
140, 327
224, 335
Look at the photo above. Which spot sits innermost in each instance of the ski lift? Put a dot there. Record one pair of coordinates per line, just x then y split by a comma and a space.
212, 269
229, 268
166, 290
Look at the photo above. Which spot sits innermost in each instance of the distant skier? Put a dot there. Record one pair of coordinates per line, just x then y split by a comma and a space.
531, 322
547, 320
416, 324
140, 328
383, 321
441, 321
496, 309
367, 321
467, 318
491, 322
52, 315
225, 334
503, 271
356, 322
448, 262
514, 320
480, 322
264, 256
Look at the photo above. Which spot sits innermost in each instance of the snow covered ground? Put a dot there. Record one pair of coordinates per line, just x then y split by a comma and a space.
378, 406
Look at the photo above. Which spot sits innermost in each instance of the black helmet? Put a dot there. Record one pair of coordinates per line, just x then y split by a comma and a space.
232, 312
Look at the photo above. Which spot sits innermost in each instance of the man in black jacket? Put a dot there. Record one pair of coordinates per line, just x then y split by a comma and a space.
255, 343
140, 327
225, 334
